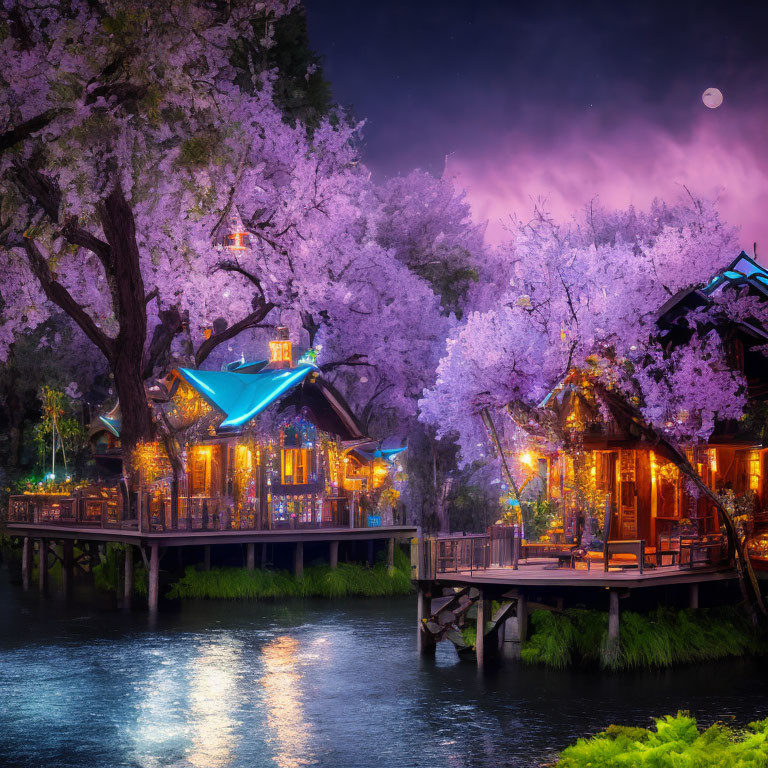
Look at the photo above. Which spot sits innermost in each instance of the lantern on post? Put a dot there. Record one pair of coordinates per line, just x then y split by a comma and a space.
281, 349
233, 234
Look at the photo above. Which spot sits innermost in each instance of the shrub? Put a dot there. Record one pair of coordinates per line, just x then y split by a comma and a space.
676, 742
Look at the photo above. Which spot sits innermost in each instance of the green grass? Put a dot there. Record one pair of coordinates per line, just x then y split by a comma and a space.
675, 742
661, 638
348, 580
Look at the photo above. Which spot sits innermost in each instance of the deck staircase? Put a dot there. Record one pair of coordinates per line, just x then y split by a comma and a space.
449, 613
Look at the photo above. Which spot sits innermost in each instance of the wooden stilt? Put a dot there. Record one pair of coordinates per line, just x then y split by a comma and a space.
515, 631
483, 614
425, 643
298, 560
154, 577
26, 563
207, 557
42, 564
67, 564
263, 556
694, 596
128, 578
250, 556
333, 556
391, 554
612, 648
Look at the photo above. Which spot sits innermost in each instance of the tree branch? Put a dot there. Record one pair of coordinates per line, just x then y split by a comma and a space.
250, 321
24, 130
171, 324
233, 266
59, 295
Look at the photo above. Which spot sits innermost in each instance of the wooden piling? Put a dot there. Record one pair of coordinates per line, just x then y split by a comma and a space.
154, 576
26, 563
128, 578
694, 596
425, 643
207, 557
612, 647
515, 630
42, 564
298, 560
391, 555
333, 556
67, 564
250, 556
263, 556
483, 613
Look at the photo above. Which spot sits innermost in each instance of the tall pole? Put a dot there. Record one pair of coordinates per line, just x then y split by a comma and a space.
154, 576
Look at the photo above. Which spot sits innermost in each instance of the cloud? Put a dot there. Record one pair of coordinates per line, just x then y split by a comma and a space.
718, 157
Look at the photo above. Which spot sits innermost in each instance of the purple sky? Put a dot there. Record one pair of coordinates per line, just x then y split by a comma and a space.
559, 100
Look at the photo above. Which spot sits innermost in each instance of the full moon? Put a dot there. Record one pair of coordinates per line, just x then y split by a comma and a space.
712, 98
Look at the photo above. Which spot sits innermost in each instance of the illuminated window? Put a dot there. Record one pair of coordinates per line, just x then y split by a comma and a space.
754, 471
295, 466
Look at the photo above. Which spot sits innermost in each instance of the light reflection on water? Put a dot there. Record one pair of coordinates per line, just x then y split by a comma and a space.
281, 680
303, 684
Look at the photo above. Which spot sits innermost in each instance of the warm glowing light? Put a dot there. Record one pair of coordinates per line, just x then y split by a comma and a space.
281, 349
527, 459
237, 241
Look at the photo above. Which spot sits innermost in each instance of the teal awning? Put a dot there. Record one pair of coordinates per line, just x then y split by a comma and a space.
112, 424
388, 454
242, 396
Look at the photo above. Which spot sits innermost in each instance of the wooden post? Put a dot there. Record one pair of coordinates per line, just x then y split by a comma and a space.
391, 555
482, 615
694, 596
42, 564
298, 560
250, 556
68, 564
333, 557
154, 576
263, 556
425, 643
612, 648
26, 562
515, 630
128, 579
207, 557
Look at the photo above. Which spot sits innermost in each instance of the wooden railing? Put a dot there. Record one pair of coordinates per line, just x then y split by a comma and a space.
437, 555
43, 509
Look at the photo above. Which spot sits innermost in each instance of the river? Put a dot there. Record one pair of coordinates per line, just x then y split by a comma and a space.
302, 683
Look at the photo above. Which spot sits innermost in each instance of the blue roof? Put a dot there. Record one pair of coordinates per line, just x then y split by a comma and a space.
743, 271
388, 454
243, 396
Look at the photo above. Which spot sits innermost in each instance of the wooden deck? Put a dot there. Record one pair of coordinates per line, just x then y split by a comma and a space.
187, 538
547, 574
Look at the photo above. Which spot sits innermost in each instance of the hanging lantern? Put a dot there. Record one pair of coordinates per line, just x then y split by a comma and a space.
281, 349
237, 237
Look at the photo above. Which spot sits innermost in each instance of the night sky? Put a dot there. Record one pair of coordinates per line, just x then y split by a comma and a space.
563, 101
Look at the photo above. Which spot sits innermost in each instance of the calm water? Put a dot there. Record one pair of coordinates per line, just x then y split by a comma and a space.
302, 684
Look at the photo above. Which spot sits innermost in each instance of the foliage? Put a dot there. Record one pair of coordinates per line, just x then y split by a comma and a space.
662, 638
675, 742
347, 580
582, 299
538, 515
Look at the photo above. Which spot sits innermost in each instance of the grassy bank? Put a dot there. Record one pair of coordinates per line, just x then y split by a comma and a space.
662, 638
675, 742
348, 580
